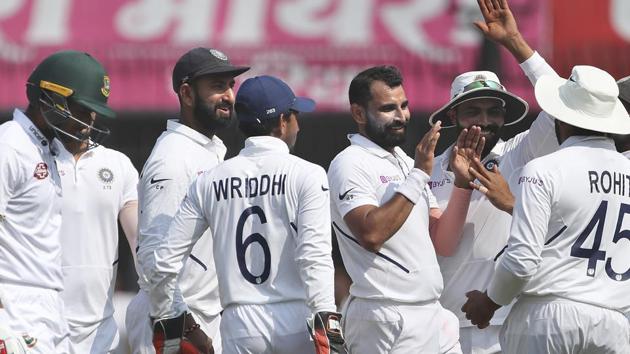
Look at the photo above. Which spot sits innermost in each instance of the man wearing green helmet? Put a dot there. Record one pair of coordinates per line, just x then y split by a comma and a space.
66, 92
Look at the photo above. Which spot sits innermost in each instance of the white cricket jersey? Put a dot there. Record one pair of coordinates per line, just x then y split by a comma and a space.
570, 233
270, 220
405, 269
178, 157
30, 206
95, 188
486, 229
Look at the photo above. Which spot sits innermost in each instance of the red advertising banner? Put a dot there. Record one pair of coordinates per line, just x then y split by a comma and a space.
594, 33
315, 45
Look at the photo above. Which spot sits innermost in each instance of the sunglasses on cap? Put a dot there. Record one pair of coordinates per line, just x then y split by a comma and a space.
482, 84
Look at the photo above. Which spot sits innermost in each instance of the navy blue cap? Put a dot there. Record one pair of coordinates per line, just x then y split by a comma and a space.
264, 97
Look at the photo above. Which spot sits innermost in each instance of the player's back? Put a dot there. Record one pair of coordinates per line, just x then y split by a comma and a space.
253, 204
584, 257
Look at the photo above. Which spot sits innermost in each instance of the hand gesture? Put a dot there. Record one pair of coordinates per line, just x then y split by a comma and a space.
425, 150
469, 146
500, 25
479, 308
493, 185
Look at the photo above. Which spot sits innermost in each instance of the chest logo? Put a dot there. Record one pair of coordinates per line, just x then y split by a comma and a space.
106, 175
41, 171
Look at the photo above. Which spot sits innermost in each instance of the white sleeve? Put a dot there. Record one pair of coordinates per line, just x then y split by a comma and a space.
535, 67
530, 221
130, 187
185, 229
161, 189
313, 241
350, 185
10, 176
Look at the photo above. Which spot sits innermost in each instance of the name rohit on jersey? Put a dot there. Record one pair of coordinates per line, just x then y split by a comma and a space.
249, 187
609, 182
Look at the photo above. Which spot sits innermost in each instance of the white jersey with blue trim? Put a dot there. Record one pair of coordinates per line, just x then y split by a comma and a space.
268, 213
405, 269
570, 233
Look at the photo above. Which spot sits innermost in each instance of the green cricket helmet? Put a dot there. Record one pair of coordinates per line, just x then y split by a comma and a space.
71, 76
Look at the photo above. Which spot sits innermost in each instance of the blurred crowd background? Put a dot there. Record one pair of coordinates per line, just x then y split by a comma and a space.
317, 46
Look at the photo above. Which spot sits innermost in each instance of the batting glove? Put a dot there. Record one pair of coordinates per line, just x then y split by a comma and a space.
168, 337
325, 329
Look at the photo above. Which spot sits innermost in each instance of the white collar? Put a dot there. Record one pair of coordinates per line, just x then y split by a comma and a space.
590, 141
260, 144
173, 125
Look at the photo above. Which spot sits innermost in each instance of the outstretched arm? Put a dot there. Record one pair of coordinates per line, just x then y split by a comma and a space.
499, 25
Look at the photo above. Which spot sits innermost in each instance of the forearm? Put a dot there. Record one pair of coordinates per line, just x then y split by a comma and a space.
128, 217
519, 48
446, 231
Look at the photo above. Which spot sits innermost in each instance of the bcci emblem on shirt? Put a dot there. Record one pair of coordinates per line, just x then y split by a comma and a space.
106, 176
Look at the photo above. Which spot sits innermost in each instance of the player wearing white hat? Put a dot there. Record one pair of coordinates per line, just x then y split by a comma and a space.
622, 142
89, 237
385, 219
478, 98
269, 215
203, 80
66, 91
566, 257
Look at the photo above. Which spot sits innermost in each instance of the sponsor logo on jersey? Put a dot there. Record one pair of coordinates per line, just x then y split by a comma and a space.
157, 180
38, 136
532, 180
387, 179
345, 195
41, 171
106, 175
324, 188
433, 184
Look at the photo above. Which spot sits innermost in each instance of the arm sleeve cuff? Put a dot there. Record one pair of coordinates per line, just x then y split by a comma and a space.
505, 286
413, 186
535, 67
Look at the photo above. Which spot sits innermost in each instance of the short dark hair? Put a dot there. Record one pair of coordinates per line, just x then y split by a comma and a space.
359, 91
263, 128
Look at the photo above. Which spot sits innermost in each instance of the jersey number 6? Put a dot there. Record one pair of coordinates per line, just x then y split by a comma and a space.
241, 246
594, 254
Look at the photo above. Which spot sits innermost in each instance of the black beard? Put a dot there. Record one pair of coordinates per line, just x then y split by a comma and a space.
206, 115
383, 137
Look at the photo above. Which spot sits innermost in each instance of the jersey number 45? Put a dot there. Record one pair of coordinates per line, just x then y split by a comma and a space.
594, 254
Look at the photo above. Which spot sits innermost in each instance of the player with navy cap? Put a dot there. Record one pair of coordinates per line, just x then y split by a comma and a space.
268, 212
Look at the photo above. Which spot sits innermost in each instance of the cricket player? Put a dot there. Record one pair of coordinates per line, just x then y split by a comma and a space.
66, 92
385, 217
567, 253
99, 188
478, 98
203, 80
270, 220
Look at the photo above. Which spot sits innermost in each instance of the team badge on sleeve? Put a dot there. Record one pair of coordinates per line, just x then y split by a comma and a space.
490, 164
41, 171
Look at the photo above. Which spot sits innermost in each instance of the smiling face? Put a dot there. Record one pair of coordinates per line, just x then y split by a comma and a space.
213, 101
386, 116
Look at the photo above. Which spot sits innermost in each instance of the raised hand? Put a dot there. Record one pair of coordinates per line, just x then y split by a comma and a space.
500, 26
493, 185
479, 308
469, 146
425, 150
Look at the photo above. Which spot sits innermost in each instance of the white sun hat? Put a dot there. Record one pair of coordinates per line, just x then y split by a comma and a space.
481, 84
588, 100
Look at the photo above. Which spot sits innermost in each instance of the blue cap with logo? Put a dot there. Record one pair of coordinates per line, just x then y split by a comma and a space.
265, 97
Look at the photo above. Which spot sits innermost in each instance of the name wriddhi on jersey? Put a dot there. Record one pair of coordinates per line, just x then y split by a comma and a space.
249, 187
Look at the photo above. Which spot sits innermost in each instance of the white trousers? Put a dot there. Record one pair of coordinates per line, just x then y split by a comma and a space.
39, 313
140, 330
384, 326
278, 328
98, 338
480, 341
553, 325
